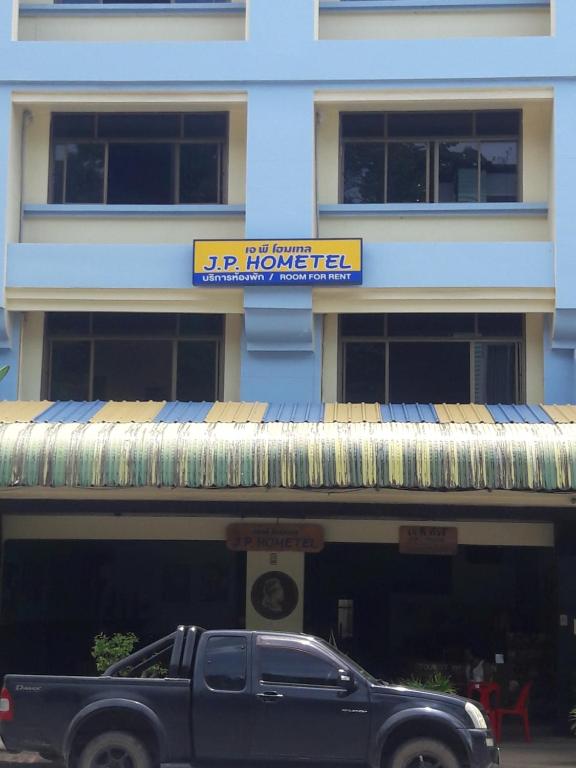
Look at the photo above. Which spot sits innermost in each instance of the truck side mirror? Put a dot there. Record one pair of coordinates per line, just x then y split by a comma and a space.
346, 680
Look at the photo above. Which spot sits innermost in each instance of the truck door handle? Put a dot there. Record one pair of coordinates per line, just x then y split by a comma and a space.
269, 696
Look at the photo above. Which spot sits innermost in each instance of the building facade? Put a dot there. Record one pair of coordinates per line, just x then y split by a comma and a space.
440, 133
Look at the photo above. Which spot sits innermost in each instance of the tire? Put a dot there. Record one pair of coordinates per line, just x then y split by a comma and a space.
424, 753
115, 749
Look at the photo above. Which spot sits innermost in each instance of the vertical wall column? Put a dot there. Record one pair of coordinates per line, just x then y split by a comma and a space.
566, 658
559, 361
10, 323
8, 20
281, 349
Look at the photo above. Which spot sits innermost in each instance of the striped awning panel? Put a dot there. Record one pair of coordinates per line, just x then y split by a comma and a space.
536, 457
282, 412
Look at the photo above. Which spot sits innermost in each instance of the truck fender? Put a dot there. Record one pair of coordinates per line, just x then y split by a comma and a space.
412, 715
125, 705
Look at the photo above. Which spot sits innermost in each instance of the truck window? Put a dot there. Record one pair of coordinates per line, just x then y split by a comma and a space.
225, 663
292, 666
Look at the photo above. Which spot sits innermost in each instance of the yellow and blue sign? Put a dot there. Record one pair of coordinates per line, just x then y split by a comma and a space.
277, 262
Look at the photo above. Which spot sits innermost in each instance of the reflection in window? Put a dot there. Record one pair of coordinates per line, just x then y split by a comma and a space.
108, 356
426, 358
142, 159
419, 157
225, 663
290, 666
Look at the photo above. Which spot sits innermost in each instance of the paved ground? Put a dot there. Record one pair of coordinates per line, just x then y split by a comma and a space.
542, 753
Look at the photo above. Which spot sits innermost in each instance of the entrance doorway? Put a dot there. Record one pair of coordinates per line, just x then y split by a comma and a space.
411, 613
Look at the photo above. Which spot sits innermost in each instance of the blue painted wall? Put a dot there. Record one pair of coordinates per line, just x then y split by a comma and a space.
281, 67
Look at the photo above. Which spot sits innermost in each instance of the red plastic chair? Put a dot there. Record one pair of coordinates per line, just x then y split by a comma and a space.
520, 709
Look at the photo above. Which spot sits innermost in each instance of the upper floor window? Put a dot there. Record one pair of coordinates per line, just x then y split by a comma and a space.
129, 356
431, 358
140, 158
429, 157
138, 2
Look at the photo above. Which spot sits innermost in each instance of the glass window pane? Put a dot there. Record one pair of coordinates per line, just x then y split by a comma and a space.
362, 325
201, 325
140, 174
197, 377
498, 123
500, 325
363, 173
84, 173
407, 166
200, 166
363, 125
68, 323
430, 325
134, 324
458, 173
69, 370
206, 126
429, 372
225, 663
499, 180
495, 373
145, 126
77, 126
58, 173
429, 124
294, 667
133, 370
364, 372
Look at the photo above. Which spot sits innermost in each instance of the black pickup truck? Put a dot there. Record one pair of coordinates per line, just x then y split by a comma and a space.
197, 698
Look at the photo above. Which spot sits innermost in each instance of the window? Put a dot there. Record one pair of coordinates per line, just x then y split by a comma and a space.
124, 356
450, 358
139, 2
225, 663
425, 157
139, 158
294, 665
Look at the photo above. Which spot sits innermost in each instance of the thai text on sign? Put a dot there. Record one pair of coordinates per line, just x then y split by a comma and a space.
249, 537
277, 262
428, 540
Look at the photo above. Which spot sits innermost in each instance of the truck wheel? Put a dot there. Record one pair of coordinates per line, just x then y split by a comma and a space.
115, 749
424, 753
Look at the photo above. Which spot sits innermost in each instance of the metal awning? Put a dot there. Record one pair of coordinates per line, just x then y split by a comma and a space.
536, 453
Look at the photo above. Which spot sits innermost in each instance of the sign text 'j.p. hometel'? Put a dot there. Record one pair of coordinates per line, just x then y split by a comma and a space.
277, 262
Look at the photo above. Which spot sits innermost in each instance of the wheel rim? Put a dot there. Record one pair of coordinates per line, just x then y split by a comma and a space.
113, 757
425, 761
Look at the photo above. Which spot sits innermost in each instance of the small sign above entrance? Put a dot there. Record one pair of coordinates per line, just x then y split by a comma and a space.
428, 540
320, 262
250, 537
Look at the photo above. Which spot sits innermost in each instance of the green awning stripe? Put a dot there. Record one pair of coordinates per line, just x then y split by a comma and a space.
540, 457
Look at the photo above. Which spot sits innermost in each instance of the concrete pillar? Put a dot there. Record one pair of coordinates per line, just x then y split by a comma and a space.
281, 350
10, 325
566, 660
276, 574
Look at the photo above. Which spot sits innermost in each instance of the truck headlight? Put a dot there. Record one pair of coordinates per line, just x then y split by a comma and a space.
476, 716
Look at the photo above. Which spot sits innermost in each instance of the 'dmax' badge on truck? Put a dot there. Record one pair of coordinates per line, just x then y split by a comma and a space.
320, 262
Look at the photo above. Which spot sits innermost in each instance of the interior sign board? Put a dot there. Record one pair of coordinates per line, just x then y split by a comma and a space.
268, 537
428, 540
277, 262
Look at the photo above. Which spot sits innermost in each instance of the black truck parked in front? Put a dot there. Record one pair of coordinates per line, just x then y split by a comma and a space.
230, 697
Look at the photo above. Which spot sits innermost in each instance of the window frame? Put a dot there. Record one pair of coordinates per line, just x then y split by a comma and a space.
472, 338
175, 142
432, 153
295, 646
246, 685
92, 337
